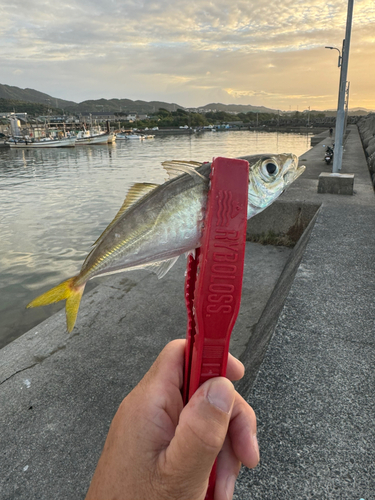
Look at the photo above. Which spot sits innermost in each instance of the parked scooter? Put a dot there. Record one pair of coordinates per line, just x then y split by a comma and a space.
328, 157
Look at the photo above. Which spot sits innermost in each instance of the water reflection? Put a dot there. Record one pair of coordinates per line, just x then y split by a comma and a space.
56, 202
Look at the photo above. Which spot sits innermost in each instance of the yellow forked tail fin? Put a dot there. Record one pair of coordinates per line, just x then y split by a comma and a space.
65, 291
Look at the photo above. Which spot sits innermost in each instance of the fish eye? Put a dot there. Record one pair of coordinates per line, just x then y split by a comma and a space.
269, 168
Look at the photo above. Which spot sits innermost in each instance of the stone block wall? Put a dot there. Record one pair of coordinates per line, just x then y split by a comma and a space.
366, 127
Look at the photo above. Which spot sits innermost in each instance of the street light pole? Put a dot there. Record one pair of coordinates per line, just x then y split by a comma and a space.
340, 58
340, 117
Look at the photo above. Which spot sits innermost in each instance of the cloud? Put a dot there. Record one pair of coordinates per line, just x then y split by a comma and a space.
191, 50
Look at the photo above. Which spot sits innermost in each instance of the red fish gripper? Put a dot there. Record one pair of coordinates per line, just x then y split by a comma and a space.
214, 279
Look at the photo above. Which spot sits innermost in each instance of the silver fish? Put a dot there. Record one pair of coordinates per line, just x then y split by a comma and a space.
158, 223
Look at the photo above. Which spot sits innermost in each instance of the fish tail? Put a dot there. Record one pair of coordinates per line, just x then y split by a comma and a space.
67, 290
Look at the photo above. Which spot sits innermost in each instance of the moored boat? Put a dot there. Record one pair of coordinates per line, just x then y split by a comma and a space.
86, 138
47, 142
129, 136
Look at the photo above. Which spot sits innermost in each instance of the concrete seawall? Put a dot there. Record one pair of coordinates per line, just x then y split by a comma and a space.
304, 333
366, 127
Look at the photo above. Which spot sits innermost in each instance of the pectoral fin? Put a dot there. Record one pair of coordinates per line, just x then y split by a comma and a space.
161, 268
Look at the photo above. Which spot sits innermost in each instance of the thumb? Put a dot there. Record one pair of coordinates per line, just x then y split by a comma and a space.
199, 437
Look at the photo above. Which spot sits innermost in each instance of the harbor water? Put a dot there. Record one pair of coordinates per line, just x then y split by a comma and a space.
54, 203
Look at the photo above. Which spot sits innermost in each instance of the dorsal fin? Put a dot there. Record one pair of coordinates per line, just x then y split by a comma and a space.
177, 167
135, 193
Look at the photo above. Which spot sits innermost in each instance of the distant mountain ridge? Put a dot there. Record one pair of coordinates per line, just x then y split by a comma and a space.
89, 106
352, 112
30, 95
237, 108
116, 105
129, 106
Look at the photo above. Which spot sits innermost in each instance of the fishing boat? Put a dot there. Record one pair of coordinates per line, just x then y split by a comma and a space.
47, 142
3, 141
129, 136
85, 138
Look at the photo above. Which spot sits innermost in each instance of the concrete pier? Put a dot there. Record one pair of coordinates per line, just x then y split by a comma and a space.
305, 334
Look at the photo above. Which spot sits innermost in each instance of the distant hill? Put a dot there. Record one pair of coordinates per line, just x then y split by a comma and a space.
121, 105
115, 105
30, 95
352, 112
125, 106
237, 108
110, 105
31, 108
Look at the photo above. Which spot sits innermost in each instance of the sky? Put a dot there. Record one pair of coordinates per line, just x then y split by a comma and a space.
192, 52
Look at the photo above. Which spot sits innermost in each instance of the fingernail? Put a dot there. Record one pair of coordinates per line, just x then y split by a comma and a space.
229, 487
256, 446
220, 394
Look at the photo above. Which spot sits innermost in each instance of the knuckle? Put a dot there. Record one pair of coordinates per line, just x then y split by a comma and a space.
209, 438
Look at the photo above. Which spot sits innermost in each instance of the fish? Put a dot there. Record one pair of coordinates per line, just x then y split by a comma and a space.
158, 223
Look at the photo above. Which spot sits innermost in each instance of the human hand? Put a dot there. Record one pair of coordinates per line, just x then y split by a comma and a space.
156, 449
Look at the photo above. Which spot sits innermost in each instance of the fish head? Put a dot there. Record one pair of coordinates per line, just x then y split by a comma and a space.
269, 176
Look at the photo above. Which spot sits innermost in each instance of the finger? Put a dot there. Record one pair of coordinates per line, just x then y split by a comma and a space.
169, 365
160, 389
235, 369
200, 435
242, 433
227, 469
240, 446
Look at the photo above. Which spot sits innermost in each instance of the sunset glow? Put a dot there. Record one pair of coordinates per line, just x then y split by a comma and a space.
189, 52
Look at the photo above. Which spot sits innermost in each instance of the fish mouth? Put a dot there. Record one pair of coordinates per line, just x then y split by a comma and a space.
293, 171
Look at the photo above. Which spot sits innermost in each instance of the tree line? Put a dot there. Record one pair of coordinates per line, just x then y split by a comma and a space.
164, 118
181, 118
